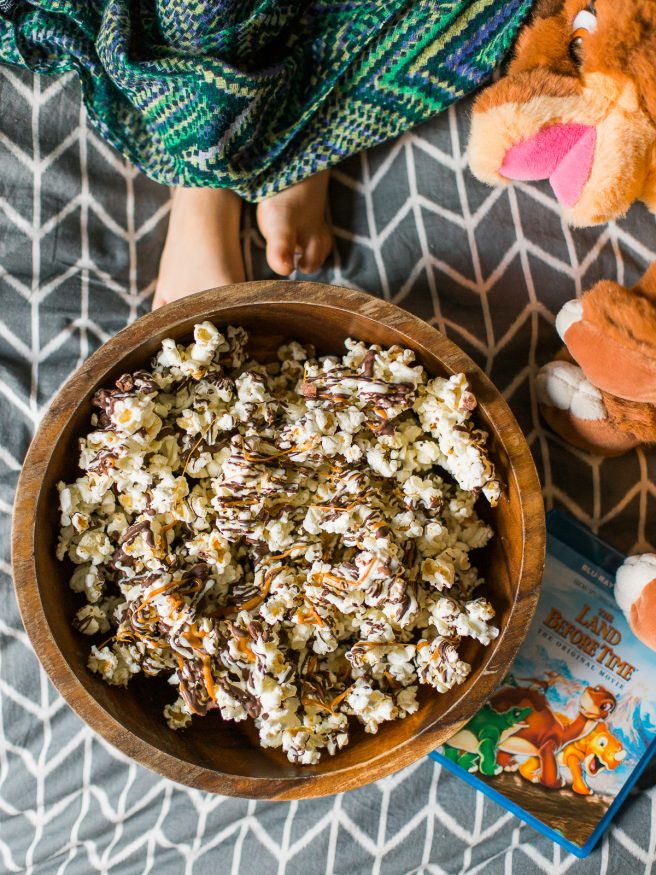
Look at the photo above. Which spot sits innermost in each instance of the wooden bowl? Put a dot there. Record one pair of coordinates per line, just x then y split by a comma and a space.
224, 757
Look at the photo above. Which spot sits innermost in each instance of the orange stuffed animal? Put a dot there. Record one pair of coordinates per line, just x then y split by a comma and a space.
578, 107
601, 394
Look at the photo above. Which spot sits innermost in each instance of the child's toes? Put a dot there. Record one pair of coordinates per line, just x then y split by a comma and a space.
315, 250
280, 250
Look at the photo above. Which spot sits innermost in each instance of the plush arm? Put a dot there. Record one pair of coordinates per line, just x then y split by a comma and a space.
611, 334
603, 397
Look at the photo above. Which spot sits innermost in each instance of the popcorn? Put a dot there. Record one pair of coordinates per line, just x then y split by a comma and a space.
93, 546
177, 715
282, 542
439, 665
91, 619
444, 408
86, 578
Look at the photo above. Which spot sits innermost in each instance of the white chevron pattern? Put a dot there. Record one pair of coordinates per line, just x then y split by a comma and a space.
80, 233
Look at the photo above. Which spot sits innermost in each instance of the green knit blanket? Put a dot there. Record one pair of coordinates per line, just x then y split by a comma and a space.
255, 95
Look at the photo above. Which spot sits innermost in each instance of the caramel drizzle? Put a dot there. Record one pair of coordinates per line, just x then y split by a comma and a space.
252, 603
196, 445
249, 457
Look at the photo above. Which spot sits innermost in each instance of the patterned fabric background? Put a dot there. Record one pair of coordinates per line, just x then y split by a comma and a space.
80, 235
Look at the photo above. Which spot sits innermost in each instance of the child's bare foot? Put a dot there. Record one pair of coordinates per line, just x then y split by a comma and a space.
202, 248
293, 222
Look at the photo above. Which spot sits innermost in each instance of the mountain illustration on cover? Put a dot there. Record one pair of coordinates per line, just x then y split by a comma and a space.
571, 721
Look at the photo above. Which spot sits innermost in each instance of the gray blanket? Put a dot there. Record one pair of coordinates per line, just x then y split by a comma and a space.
80, 236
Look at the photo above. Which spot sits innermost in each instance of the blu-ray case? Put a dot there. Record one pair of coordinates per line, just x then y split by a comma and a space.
564, 738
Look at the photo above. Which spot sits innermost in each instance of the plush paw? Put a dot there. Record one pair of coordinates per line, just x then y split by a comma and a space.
635, 592
563, 385
570, 313
575, 409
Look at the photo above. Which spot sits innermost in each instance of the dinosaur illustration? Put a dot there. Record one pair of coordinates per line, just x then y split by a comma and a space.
589, 755
545, 733
541, 684
474, 747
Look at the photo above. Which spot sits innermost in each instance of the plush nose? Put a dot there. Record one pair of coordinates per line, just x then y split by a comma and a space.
516, 133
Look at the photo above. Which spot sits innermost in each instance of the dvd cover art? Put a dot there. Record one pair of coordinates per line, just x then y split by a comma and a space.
566, 733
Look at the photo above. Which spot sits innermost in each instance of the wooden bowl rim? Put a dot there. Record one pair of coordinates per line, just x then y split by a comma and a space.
209, 305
